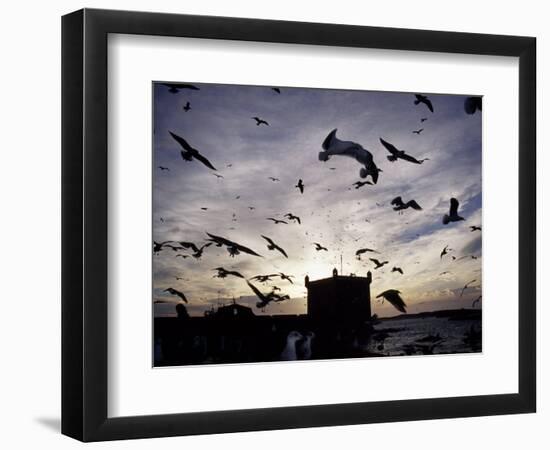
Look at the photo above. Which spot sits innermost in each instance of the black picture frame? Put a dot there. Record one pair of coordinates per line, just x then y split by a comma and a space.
84, 224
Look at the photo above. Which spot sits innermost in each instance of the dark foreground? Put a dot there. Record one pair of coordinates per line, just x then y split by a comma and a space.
208, 340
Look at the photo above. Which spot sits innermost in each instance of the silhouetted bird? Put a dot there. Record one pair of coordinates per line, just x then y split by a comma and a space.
418, 131
286, 277
265, 299
319, 247
300, 186
223, 273
444, 252
204, 208
475, 228
398, 154
445, 273
291, 216
217, 175
290, 353
333, 146
276, 90
189, 245
359, 252
476, 301
472, 104
163, 168
423, 119
359, 184
173, 291
264, 278
400, 206
277, 221
466, 286
453, 213
273, 179
397, 269
260, 121
187, 107
157, 246
377, 263
198, 253
232, 247
190, 152
174, 88
393, 297
272, 246
423, 99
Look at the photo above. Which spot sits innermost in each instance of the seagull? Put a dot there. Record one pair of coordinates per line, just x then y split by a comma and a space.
453, 213
260, 121
272, 246
397, 269
359, 184
398, 154
300, 186
190, 152
265, 299
476, 301
334, 146
378, 263
445, 251
418, 131
289, 352
223, 273
276, 90
466, 287
303, 346
475, 228
423, 119
162, 168
291, 216
198, 253
264, 278
217, 175
445, 273
175, 87
189, 245
187, 107
319, 247
274, 179
472, 105
425, 100
277, 221
359, 252
393, 297
286, 277
157, 246
233, 248
399, 205
176, 292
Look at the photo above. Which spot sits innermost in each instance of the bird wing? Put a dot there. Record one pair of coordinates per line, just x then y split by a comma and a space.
397, 201
203, 160
256, 291
281, 250
267, 239
414, 205
391, 148
189, 245
244, 249
453, 211
182, 142
409, 158
393, 297
428, 103
375, 261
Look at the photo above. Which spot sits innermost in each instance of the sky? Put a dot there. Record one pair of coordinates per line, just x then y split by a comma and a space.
333, 213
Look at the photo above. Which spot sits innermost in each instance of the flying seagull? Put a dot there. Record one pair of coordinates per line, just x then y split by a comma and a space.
393, 297
277, 221
276, 89
398, 154
291, 216
472, 105
198, 253
264, 278
187, 107
319, 247
333, 146
233, 248
286, 277
444, 252
399, 205
174, 88
453, 213
397, 269
189, 245
223, 273
423, 99
359, 252
190, 152
423, 119
265, 299
359, 184
217, 175
466, 286
418, 131
300, 186
176, 292
475, 228
274, 179
260, 121
157, 246
378, 263
272, 246
164, 168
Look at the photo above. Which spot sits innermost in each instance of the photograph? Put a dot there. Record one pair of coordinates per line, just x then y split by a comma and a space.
298, 223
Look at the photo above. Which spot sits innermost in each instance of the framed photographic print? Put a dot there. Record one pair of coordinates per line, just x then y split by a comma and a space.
282, 219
